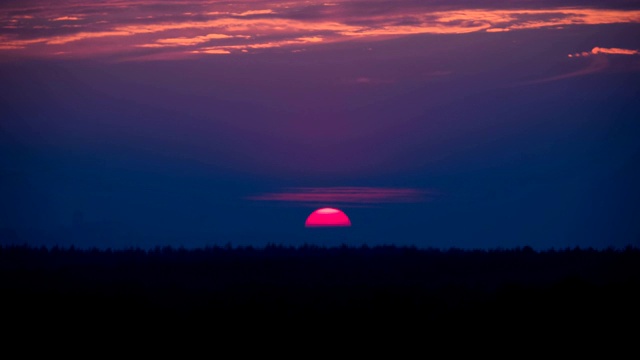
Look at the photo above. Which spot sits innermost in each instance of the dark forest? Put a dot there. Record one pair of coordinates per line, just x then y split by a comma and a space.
227, 286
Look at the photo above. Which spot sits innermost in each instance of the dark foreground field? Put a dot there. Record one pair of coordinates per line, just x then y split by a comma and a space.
223, 287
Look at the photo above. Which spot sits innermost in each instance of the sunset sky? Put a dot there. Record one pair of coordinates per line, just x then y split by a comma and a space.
432, 123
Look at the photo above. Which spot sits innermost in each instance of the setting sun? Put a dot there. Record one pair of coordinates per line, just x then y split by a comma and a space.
327, 217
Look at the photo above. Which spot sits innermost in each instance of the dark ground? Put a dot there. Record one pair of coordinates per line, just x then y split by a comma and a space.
366, 289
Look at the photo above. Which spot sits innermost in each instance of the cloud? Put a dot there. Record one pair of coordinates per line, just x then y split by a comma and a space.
7, 43
59, 40
346, 195
126, 26
599, 64
66, 18
212, 51
260, 45
497, 30
186, 41
311, 39
607, 51
367, 80
614, 51
255, 12
416, 29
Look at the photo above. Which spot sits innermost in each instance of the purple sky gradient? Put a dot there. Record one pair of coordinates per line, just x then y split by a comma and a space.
164, 122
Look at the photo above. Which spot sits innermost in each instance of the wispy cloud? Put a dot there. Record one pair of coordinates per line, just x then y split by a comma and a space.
255, 12
598, 65
346, 195
126, 26
186, 41
60, 40
212, 51
607, 51
66, 18
226, 49
7, 43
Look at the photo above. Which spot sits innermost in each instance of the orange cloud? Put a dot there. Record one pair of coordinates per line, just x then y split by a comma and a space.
66, 18
497, 30
212, 51
415, 29
59, 40
615, 51
263, 45
310, 39
231, 26
186, 41
609, 51
255, 12
540, 18
142, 25
7, 43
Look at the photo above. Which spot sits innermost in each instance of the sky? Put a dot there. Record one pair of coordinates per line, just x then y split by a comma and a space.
434, 124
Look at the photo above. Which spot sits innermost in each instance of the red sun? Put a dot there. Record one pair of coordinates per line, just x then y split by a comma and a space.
327, 217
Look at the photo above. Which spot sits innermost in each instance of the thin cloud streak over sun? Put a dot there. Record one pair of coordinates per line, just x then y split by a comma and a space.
346, 195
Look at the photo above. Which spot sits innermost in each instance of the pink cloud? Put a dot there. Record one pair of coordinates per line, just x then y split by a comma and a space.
255, 12
66, 18
260, 45
286, 23
497, 30
186, 41
353, 195
615, 51
607, 51
213, 51
7, 43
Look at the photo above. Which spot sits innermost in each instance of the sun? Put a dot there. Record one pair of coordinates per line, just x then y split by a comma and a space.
325, 217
